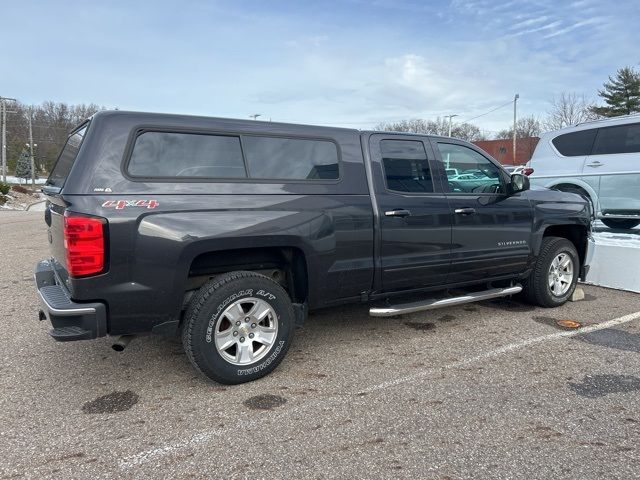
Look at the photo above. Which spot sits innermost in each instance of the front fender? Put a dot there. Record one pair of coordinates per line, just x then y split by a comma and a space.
578, 182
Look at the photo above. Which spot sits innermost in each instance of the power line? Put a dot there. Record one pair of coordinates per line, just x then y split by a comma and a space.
490, 111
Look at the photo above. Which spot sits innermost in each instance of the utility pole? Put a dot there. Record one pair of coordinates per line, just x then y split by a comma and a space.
33, 173
4, 140
515, 102
3, 106
450, 117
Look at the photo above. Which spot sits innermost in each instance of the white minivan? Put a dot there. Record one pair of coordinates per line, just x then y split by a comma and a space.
599, 160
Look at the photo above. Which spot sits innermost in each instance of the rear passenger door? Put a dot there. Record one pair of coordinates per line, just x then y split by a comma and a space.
491, 234
615, 161
415, 220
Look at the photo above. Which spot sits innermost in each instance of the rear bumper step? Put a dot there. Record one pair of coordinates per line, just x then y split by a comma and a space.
68, 334
70, 320
434, 303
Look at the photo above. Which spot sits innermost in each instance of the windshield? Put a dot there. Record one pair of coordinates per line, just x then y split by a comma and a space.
67, 157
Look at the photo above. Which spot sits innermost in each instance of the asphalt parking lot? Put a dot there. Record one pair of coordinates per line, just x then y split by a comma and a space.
488, 390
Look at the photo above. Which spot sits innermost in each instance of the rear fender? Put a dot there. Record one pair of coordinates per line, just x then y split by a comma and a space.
180, 237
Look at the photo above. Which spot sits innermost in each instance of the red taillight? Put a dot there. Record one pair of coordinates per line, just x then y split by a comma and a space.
527, 171
84, 243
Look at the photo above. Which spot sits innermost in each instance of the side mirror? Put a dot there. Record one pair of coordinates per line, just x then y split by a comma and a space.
519, 183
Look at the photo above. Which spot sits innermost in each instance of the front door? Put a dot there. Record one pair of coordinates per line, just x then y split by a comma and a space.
415, 220
491, 234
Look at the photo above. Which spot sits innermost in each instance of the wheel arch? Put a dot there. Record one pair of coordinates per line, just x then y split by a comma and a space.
286, 265
576, 234
573, 183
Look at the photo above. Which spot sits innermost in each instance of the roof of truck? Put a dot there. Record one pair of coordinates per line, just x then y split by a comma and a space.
151, 116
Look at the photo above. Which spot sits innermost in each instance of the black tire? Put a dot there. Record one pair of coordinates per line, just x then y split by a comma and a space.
206, 313
536, 288
623, 223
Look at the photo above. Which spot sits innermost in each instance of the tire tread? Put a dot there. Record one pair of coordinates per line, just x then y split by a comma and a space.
198, 302
532, 287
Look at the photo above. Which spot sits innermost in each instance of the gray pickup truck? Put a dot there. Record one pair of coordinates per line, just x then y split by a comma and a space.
227, 232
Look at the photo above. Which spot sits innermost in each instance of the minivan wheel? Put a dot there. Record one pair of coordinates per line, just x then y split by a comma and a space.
623, 223
555, 274
238, 327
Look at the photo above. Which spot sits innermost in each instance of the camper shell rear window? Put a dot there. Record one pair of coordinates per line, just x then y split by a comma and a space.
67, 158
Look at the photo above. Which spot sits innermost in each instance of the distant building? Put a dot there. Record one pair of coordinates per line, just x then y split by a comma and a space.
502, 150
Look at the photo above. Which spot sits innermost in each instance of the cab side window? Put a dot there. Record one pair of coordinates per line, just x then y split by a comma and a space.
470, 172
406, 167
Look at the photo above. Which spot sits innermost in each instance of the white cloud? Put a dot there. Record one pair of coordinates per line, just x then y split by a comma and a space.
571, 28
529, 22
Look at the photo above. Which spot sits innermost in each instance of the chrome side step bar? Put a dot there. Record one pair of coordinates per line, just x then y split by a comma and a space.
433, 303
615, 215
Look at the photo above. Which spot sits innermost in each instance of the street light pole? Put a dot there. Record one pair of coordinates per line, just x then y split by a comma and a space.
515, 102
33, 173
450, 117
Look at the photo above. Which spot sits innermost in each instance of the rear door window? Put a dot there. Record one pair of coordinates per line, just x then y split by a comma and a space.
165, 154
619, 139
575, 144
66, 159
406, 167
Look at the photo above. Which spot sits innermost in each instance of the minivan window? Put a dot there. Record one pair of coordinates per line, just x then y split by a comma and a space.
575, 144
65, 161
619, 139
289, 158
406, 167
165, 154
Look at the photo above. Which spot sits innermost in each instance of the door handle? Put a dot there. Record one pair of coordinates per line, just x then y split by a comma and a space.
465, 211
595, 164
399, 212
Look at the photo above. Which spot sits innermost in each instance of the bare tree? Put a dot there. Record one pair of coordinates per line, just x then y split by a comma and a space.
439, 126
51, 123
468, 132
82, 111
526, 127
568, 109
414, 125
528, 130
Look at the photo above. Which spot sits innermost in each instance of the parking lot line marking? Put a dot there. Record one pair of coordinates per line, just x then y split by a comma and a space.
507, 348
202, 437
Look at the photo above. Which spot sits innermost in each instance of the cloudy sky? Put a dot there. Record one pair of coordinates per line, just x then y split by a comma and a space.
347, 63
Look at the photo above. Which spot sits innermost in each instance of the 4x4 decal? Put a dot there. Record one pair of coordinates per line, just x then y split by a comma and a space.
121, 204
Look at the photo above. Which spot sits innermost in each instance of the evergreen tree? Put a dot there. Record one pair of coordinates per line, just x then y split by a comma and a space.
621, 94
23, 168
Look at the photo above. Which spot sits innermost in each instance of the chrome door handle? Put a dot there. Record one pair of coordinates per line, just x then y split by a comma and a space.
465, 211
595, 164
399, 212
